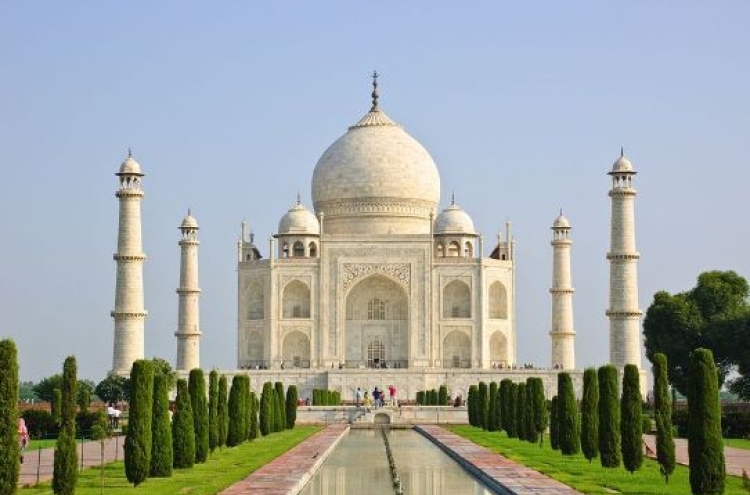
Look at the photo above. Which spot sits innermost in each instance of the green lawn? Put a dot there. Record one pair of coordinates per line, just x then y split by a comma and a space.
223, 469
737, 443
591, 478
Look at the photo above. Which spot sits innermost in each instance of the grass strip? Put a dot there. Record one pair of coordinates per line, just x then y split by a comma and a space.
737, 443
590, 478
222, 469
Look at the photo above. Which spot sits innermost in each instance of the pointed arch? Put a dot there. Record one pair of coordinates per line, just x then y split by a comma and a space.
296, 300
296, 350
498, 301
456, 300
298, 250
456, 350
499, 349
256, 301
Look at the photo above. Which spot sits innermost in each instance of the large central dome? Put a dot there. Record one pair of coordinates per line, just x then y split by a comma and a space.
376, 179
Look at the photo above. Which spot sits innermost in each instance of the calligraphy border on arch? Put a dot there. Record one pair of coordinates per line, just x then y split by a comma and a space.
398, 272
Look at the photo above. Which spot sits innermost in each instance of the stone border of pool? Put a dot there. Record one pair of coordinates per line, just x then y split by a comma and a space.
499, 473
289, 473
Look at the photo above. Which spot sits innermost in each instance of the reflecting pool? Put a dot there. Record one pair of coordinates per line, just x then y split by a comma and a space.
359, 466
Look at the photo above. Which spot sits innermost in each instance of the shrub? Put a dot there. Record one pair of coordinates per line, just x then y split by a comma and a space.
161, 428
609, 417
183, 433
630, 419
197, 389
84, 422
492, 408
420, 398
138, 440
266, 409
553, 425
590, 415
568, 434
9, 449
213, 411
291, 406
280, 407
65, 475
40, 423
222, 412
705, 444
443, 395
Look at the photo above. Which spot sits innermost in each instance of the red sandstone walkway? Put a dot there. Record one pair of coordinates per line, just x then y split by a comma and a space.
497, 472
45, 459
289, 472
736, 459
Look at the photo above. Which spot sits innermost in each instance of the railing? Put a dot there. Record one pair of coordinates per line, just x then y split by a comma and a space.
384, 364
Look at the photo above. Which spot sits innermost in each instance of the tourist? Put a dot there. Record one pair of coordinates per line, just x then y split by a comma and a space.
377, 396
392, 394
358, 396
368, 401
23, 436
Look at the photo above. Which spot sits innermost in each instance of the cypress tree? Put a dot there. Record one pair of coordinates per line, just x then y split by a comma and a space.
492, 409
512, 407
553, 425
281, 407
161, 430
254, 422
504, 394
55, 406
472, 405
65, 475
498, 411
520, 410
222, 412
291, 406
631, 433
243, 401
568, 434
197, 389
138, 440
705, 445
539, 406
529, 433
665, 454
183, 432
265, 417
213, 411
443, 395
234, 426
609, 417
590, 415
483, 405
9, 449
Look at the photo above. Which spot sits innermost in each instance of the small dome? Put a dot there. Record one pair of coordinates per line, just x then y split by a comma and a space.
561, 222
189, 222
622, 164
299, 220
130, 167
454, 220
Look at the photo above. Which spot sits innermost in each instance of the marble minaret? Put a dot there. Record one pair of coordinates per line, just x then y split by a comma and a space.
188, 319
129, 314
624, 314
562, 333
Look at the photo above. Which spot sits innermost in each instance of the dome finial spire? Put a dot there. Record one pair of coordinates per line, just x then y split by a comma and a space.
375, 94
453, 198
622, 151
130, 152
299, 199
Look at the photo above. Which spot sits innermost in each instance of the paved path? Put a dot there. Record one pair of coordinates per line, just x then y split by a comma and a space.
497, 472
44, 459
289, 472
736, 459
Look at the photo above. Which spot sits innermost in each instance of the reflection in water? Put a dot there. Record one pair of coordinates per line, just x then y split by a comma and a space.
359, 466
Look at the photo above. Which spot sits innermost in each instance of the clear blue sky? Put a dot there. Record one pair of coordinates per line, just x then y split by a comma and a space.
228, 105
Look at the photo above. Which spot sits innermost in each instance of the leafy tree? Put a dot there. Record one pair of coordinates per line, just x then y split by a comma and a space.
266, 409
512, 415
665, 453
162, 457
9, 449
492, 408
711, 316
471, 402
45, 389
85, 391
254, 426
705, 445
609, 417
568, 434
162, 366
56, 406
553, 425
112, 389
234, 426
291, 406
183, 432
197, 389
280, 407
590, 415
222, 412
520, 410
138, 440
631, 432
213, 412
483, 405
540, 418
65, 474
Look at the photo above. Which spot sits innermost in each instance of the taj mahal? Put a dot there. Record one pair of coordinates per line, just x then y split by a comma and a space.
375, 284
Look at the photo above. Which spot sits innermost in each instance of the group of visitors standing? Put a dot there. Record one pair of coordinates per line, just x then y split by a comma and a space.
378, 396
